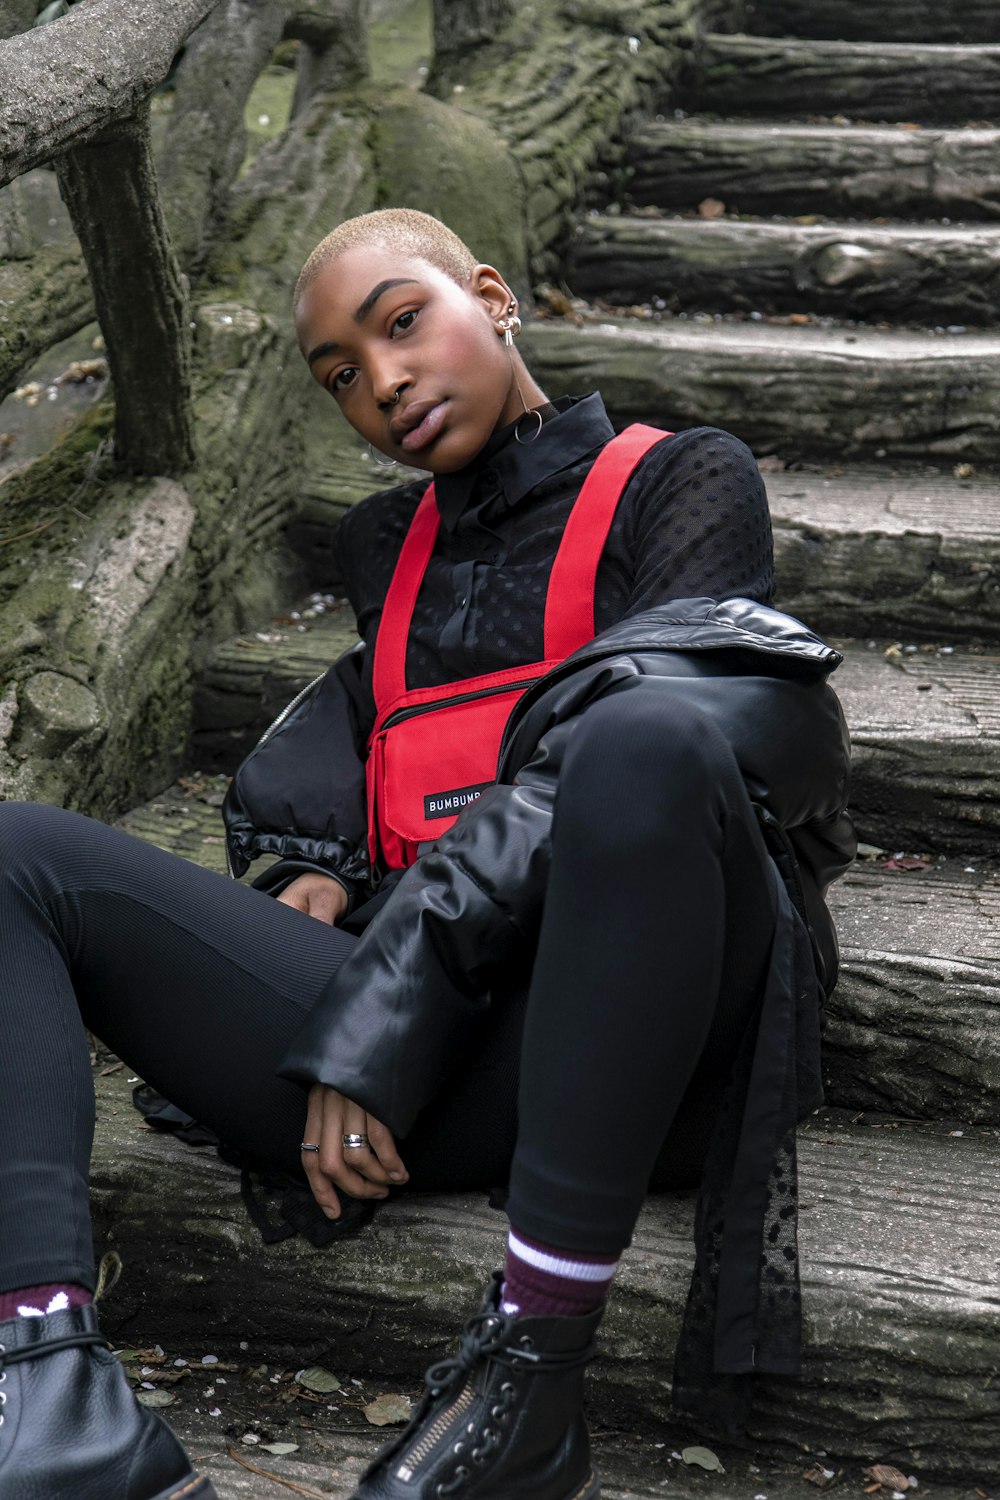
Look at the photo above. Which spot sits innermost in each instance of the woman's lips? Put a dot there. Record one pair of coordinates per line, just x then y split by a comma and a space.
426, 430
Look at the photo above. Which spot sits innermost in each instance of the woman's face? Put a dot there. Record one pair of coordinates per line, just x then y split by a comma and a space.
375, 325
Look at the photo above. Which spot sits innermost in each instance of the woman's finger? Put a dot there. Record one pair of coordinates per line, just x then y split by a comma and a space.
333, 1162
384, 1146
320, 1185
361, 1159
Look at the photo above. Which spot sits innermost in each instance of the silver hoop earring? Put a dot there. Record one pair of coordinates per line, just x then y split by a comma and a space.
527, 437
381, 460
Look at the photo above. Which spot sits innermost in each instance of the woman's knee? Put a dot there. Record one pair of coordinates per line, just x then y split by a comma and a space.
30, 833
650, 742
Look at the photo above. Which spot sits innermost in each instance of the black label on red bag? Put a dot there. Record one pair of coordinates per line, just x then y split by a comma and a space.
449, 804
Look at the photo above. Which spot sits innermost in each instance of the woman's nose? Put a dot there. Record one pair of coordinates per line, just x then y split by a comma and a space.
388, 386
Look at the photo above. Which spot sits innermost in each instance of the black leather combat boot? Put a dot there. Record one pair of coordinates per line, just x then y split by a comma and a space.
70, 1427
503, 1420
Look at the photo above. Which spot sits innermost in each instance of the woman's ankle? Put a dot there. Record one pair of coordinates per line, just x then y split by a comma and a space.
543, 1282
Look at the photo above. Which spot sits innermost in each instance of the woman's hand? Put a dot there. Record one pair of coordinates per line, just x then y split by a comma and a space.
360, 1171
318, 896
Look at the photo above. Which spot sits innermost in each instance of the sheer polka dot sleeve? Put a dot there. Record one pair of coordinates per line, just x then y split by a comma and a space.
701, 525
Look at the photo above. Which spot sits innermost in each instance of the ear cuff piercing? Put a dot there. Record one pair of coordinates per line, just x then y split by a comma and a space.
510, 326
529, 423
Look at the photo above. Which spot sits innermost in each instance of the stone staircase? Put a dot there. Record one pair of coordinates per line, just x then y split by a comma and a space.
840, 317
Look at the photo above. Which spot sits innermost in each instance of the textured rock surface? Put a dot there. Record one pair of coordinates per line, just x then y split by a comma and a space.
913, 1023
248, 681
892, 81
880, 21
861, 171
925, 731
810, 389
913, 555
913, 272
899, 1245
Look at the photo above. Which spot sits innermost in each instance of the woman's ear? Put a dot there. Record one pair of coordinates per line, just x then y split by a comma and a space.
489, 287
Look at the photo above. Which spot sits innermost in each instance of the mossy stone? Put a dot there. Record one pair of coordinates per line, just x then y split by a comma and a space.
58, 710
451, 164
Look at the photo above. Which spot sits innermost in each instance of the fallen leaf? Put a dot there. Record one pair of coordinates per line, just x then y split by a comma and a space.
711, 208
318, 1380
964, 471
279, 1449
387, 1409
886, 1475
702, 1458
771, 464
908, 862
155, 1398
807, 218
823, 1479
798, 320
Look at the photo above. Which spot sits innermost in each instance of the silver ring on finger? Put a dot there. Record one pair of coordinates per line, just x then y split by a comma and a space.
308, 1146
356, 1142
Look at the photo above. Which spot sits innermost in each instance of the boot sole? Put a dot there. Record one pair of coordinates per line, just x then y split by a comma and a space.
194, 1487
589, 1490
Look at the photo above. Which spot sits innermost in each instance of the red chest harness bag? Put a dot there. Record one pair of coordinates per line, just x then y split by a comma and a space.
433, 750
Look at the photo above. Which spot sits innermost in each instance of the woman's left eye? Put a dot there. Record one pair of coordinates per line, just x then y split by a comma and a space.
405, 320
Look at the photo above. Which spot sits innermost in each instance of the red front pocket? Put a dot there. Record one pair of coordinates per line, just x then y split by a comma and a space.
435, 763
431, 755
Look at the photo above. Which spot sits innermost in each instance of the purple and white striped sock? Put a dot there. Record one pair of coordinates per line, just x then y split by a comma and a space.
541, 1282
37, 1301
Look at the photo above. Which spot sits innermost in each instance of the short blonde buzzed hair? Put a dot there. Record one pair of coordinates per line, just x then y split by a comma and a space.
405, 230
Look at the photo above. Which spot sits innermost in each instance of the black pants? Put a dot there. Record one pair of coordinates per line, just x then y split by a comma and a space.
654, 938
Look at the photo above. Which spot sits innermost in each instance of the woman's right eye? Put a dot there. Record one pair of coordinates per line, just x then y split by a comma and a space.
343, 379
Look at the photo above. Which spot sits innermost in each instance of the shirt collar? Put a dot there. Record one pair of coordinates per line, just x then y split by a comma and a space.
573, 427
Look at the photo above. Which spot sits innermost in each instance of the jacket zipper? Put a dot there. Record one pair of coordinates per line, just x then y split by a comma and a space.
423, 708
289, 708
412, 1460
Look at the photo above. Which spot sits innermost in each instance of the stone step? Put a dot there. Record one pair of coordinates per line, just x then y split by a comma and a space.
248, 681
912, 1023
925, 733
911, 81
878, 21
899, 1242
872, 552
337, 470
918, 273
796, 390
857, 171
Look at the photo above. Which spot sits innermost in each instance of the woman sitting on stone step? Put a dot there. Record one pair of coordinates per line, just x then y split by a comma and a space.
603, 971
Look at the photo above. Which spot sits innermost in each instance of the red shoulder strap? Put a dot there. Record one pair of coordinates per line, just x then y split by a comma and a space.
389, 666
569, 604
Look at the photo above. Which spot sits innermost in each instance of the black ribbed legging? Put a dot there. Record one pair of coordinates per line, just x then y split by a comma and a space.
654, 938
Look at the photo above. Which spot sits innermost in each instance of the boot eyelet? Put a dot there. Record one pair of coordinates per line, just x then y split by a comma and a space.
458, 1448
526, 1342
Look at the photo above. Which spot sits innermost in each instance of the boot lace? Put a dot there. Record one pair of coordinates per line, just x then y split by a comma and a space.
491, 1335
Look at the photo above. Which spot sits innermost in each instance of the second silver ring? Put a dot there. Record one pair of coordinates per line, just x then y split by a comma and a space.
355, 1142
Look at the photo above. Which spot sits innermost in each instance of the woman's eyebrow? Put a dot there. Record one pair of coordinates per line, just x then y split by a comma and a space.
361, 313
366, 306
